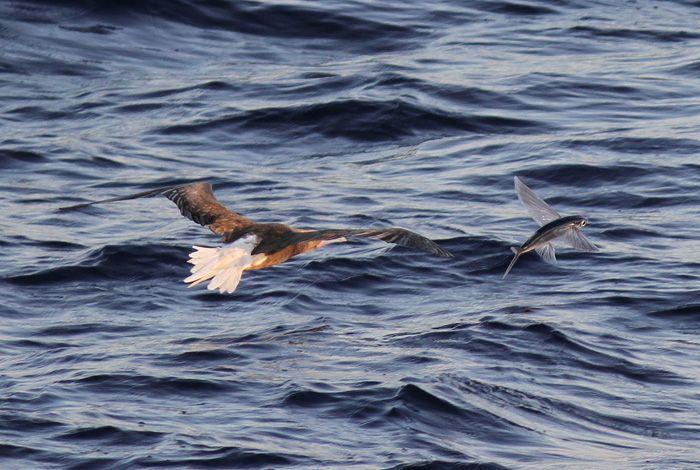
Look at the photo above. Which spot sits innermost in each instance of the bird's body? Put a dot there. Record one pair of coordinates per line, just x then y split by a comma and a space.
552, 227
250, 245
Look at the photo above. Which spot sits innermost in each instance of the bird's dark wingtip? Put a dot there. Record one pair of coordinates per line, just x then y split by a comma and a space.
148, 193
73, 207
437, 250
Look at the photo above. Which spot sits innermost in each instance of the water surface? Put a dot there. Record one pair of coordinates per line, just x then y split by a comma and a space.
351, 113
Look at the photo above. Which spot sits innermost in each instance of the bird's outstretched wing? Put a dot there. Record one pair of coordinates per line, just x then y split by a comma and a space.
539, 210
196, 201
395, 235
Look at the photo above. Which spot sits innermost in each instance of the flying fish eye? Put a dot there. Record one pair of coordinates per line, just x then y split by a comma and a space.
583, 223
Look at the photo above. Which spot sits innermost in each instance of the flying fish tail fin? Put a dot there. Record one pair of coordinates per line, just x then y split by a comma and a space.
512, 263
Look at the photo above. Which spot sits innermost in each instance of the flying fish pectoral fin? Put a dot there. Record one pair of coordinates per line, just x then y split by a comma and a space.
547, 253
576, 239
539, 210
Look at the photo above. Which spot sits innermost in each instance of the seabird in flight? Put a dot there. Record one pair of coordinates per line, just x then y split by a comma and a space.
251, 245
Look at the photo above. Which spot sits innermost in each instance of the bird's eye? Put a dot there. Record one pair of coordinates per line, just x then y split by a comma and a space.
583, 223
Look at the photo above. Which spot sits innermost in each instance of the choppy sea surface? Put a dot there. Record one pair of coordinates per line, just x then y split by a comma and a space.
351, 114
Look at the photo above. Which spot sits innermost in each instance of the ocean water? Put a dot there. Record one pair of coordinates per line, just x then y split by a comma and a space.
351, 114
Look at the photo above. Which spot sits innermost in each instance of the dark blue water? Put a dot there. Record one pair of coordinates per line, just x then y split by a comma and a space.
351, 113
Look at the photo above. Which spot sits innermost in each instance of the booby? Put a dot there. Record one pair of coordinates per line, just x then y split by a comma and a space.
249, 245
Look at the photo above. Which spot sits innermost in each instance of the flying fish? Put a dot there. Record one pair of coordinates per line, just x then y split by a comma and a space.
552, 227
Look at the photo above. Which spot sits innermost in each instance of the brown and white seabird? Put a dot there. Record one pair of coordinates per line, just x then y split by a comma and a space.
252, 245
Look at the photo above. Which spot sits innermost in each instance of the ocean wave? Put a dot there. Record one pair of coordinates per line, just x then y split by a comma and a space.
19, 158
227, 456
515, 8
131, 383
280, 20
361, 120
113, 435
572, 174
571, 353
639, 34
689, 312
448, 465
637, 145
125, 262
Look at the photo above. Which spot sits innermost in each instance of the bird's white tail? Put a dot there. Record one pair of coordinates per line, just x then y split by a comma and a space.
223, 265
515, 258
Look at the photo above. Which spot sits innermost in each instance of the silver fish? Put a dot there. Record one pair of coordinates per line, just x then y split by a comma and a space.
552, 226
